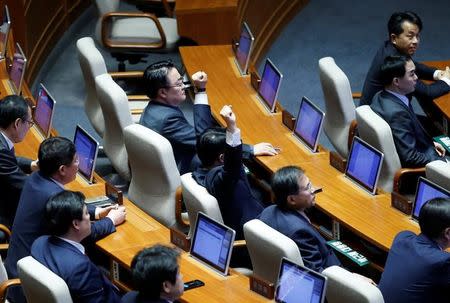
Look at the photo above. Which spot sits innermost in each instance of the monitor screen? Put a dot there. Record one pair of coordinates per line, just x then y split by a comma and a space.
4, 31
244, 48
364, 164
87, 150
427, 190
270, 85
309, 124
212, 243
43, 113
298, 284
17, 70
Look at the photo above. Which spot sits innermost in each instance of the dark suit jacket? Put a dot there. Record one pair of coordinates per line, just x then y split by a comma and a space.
133, 297
424, 92
228, 183
414, 146
30, 223
315, 253
416, 271
13, 172
85, 281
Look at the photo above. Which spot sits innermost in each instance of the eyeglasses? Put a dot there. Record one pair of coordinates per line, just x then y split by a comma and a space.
30, 123
310, 189
178, 84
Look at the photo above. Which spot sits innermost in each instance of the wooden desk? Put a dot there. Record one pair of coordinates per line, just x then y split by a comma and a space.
368, 217
207, 22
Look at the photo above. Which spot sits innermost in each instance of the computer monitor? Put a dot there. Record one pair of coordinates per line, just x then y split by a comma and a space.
308, 125
364, 165
87, 150
270, 85
43, 113
426, 190
244, 49
4, 31
17, 70
298, 284
212, 243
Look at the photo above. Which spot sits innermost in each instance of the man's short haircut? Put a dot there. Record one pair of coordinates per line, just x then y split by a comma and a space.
393, 67
434, 217
155, 77
210, 145
285, 183
395, 22
54, 152
151, 267
12, 107
62, 209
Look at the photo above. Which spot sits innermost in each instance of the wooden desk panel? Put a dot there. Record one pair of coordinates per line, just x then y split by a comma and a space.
443, 103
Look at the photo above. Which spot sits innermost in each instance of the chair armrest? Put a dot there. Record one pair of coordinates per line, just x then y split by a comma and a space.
126, 75
138, 98
6, 230
106, 28
178, 208
402, 172
239, 243
4, 287
356, 95
352, 131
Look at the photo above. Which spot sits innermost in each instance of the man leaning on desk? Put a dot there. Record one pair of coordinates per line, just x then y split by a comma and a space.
166, 90
404, 37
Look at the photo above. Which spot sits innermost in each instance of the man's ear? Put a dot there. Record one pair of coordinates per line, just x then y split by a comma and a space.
16, 122
222, 158
447, 234
162, 92
76, 224
166, 287
395, 81
392, 38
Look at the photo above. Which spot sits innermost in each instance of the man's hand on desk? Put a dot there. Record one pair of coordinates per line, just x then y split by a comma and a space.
444, 74
439, 149
115, 213
265, 149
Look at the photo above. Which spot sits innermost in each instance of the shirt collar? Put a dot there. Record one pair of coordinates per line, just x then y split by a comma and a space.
8, 141
78, 246
402, 98
57, 183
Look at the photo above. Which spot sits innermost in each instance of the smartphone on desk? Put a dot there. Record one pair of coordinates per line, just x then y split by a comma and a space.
193, 284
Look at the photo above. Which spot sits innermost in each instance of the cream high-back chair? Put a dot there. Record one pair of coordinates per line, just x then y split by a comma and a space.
155, 177
266, 247
114, 103
439, 173
40, 284
344, 286
196, 198
340, 109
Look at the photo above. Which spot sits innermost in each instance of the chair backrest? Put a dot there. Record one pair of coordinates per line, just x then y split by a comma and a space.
196, 198
266, 247
155, 177
40, 284
114, 103
375, 131
344, 286
340, 109
3, 273
439, 172
92, 65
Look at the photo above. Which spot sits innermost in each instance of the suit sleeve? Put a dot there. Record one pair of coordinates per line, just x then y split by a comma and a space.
24, 164
10, 170
224, 179
405, 142
308, 246
100, 229
432, 90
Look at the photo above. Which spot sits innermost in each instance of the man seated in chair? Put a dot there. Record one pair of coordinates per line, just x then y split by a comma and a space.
166, 90
156, 276
223, 175
58, 165
418, 266
415, 147
61, 251
294, 194
15, 121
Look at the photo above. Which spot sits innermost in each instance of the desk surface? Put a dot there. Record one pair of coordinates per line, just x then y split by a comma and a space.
370, 217
443, 103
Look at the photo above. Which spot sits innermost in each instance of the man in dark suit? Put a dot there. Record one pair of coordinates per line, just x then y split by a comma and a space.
418, 266
58, 164
293, 195
404, 29
414, 145
156, 276
223, 175
63, 254
165, 88
15, 121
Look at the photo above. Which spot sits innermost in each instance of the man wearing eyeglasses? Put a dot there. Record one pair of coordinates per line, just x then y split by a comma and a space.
165, 88
15, 121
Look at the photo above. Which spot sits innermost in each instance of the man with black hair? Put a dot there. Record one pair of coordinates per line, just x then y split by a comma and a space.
418, 266
58, 164
404, 37
156, 276
166, 90
294, 194
222, 173
415, 147
62, 252
15, 121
